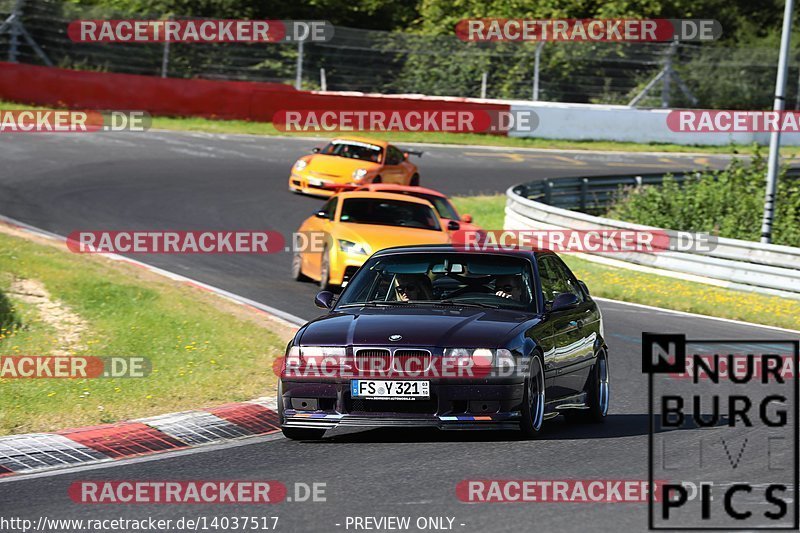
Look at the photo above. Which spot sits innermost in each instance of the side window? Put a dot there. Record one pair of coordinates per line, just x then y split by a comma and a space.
548, 278
394, 156
556, 278
569, 282
330, 208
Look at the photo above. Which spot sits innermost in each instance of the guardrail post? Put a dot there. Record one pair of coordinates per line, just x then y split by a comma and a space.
584, 193
638, 182
548, 191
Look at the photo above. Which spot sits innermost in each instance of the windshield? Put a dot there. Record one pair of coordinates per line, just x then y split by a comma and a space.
443, 278
442, 206
389, 213
354, 150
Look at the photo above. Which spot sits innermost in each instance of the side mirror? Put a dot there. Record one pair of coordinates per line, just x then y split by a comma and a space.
315, 150
324, 300
453, 226
583, 286
466, 218
321, 214
564, 300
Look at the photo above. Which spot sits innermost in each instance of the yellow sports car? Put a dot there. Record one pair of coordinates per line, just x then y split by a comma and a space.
350, 162
352, 226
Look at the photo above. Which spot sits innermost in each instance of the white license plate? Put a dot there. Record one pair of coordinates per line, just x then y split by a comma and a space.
315, 182
389, 390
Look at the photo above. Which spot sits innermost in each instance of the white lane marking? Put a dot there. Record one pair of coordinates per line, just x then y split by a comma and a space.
695, 315
203, 448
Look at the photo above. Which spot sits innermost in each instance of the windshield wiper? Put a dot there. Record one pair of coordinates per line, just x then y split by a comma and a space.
464, 304
375, 303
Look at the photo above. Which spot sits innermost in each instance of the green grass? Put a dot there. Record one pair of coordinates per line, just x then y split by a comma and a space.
651, 289
204, 351
214, 125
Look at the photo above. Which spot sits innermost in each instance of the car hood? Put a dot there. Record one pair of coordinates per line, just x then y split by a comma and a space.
330, 166
380, 237
421, 325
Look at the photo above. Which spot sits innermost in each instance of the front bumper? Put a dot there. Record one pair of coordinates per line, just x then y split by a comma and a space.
313, 186
462, 406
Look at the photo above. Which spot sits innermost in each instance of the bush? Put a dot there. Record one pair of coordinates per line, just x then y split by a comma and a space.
8, 319
726, 203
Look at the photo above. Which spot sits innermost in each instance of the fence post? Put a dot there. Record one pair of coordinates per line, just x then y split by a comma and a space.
665, 87
548, 191
536, 55
323, 81
484, 80
165, 56
298, 81
14, 33
584, 193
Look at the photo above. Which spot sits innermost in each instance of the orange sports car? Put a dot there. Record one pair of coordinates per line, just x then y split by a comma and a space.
351, 226
349, 162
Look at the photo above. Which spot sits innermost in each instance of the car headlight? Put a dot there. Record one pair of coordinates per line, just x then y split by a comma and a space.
359, 173
353, 247
483, 356
297, 354
300, 164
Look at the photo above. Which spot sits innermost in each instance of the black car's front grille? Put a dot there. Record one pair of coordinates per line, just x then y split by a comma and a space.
373, 361
411, 361
421, 407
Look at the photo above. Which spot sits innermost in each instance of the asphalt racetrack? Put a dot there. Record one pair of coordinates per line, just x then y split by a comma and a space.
167, 180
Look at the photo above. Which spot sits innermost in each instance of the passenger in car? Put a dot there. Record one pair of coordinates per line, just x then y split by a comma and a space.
413, 287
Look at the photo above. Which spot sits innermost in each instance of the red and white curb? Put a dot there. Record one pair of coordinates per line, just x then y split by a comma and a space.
36, 452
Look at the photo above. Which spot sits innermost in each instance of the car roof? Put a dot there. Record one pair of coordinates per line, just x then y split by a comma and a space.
449, 248
376, 142
383, 196
408, 188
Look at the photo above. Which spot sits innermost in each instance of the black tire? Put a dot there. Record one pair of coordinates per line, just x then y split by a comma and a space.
414, 180
377, 179
597, 393
303, 433
297, 267
325, 271
533, 400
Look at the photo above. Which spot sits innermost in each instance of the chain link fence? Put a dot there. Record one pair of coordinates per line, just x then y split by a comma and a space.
642, 74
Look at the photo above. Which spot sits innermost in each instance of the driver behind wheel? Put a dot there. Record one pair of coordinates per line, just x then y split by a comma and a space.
509, 286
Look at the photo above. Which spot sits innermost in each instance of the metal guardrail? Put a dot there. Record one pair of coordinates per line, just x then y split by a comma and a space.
594, 194
733, 263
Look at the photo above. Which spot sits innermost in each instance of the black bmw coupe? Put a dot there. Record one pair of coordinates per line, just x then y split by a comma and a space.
435, 336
